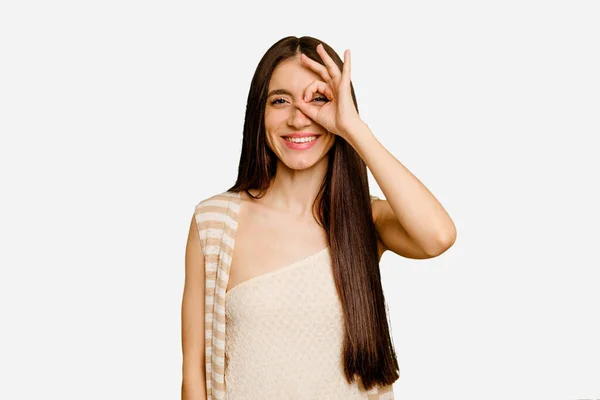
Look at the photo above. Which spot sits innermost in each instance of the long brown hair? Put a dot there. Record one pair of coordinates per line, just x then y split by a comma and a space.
343, 209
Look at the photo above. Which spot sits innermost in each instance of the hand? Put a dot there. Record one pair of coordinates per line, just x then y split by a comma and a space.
339, 115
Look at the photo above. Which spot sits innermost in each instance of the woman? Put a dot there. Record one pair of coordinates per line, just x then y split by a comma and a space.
283, 297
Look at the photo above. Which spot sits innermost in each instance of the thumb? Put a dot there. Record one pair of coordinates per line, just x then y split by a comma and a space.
310, 110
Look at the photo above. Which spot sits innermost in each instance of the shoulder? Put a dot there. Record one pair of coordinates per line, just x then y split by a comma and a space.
216, 202
216, 213
213, 217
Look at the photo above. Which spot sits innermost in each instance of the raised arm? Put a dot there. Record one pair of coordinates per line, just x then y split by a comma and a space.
193, 386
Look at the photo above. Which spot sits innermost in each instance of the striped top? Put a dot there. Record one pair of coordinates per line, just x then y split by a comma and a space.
216, 218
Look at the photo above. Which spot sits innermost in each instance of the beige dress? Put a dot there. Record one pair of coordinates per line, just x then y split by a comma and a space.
284, 335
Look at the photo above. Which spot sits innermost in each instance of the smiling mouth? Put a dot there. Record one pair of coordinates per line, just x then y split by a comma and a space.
301, 143
306, 139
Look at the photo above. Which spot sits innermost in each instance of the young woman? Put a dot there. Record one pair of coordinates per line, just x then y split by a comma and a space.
282, 296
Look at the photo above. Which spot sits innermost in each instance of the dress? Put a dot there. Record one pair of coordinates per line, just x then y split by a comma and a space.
277, 335
284, 335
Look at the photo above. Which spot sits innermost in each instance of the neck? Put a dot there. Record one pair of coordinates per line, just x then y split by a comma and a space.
294, 191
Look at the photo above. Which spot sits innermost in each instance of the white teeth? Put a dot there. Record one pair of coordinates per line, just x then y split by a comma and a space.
301, 140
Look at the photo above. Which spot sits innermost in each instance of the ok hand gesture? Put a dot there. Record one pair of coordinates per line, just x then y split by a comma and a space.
338, 116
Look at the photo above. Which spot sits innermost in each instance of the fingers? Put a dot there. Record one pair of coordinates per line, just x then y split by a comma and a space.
308, 109
315, 66
329, 71
346, 69
306, 104
332, 68
317, 86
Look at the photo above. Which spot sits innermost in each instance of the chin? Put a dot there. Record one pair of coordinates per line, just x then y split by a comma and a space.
300, 166
301, 163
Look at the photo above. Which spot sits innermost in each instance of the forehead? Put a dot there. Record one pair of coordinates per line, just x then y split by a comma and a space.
292, 75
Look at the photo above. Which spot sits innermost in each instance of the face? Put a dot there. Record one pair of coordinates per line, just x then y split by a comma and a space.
282, 118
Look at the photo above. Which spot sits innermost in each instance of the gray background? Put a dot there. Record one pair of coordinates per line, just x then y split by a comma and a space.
118, 117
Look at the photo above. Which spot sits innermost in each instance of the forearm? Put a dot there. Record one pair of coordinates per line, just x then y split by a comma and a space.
419, 212
193, 387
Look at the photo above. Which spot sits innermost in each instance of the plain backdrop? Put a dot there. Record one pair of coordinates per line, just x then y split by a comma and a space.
118, 117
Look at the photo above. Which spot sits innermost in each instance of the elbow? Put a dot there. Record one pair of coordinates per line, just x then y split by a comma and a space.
443, 243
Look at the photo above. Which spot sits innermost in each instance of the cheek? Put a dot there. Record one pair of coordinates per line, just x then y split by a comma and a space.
275, 116
270, 143
272, 123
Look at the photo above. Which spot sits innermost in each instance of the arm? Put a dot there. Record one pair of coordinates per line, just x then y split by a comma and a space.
391, 234
410, 222
193, 386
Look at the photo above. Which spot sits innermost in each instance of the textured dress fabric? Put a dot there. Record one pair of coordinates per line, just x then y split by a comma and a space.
284, 337
278, 335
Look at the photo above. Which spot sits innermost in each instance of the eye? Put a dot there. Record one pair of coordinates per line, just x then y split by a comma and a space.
321, 98
276, 101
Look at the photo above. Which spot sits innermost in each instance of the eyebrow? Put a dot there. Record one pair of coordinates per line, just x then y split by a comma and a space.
283, 91
279, 91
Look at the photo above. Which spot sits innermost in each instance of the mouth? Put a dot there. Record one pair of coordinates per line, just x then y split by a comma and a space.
300, 143
300, 139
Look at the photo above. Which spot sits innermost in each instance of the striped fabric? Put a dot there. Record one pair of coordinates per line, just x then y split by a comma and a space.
216, 218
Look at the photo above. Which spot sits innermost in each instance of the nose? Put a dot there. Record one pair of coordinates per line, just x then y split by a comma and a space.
298, 119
